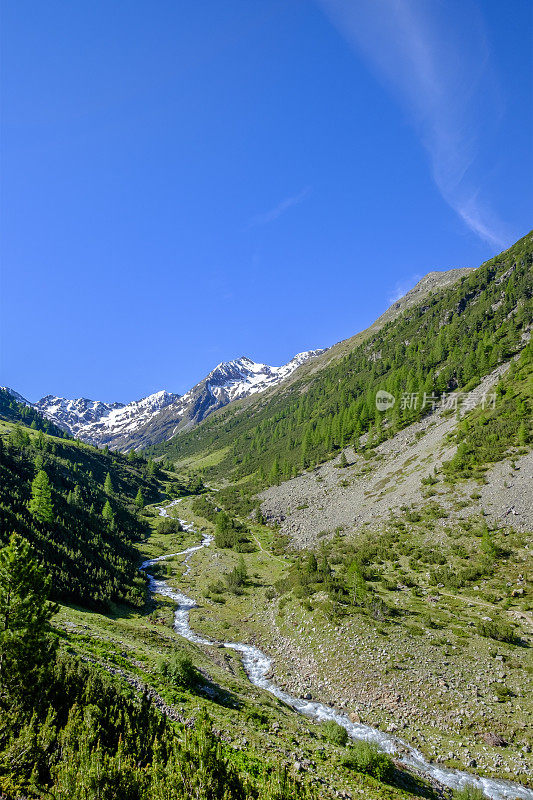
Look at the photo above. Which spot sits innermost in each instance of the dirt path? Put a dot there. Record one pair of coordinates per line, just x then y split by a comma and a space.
267, 552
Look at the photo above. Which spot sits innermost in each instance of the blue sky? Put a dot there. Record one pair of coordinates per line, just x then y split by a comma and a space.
188, 182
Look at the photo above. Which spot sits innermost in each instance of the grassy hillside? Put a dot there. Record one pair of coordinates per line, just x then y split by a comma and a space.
447, 342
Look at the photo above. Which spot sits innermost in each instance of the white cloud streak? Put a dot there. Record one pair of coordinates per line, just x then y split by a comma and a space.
402, 287
281, 208
434, 56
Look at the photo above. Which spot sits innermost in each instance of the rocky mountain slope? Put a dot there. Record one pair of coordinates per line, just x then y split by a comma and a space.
405, 471
159, 416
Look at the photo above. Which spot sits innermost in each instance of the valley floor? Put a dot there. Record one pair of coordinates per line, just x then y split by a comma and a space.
432, 684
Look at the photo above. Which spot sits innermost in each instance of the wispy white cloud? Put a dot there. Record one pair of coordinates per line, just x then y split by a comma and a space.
402, 287
279, 209
436, 59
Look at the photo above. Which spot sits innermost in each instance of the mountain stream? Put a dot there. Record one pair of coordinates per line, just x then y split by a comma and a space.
257, 666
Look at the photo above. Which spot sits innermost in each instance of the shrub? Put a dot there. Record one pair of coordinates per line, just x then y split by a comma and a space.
366, 757
179, 671
335, 733
469, 793
237, 578
497, 629
216, 587
168, 525
501, 691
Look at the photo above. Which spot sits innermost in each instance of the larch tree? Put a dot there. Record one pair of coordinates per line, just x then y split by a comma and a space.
108, 484
107, 513
139, 500
41, 498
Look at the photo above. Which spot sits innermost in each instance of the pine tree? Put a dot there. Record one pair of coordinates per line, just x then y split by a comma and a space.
108, 484
344, 461
139, 500
107, 513
26, 647
275, 472
151, 468
131, 455
41, 498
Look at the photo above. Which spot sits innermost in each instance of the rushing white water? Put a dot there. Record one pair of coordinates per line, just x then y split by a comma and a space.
257, 666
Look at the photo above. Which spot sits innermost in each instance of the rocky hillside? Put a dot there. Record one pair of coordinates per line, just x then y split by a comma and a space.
403, 471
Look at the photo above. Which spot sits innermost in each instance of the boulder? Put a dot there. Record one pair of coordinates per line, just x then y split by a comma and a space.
494, 739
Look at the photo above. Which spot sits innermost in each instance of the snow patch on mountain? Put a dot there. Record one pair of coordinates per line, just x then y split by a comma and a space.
91, 420
233, 380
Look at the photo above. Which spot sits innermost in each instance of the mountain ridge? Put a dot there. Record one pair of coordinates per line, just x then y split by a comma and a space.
160, 415
428, 344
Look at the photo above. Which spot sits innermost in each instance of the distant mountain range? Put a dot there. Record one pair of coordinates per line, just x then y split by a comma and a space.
159, 416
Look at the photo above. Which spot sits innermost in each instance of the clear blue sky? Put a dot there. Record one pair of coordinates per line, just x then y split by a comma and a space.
187, 182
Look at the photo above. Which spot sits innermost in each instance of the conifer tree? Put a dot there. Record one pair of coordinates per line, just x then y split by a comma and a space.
41, 498
108, 484
139, 500
25, 643
107, 513
357, 584
275, 472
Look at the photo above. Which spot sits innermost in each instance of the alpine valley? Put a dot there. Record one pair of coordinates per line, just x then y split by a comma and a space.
307, 581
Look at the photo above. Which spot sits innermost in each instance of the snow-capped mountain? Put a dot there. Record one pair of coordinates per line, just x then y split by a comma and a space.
100, 423
159, 416
232, 380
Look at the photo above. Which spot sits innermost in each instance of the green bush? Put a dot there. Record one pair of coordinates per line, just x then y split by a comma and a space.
501, 691
498, 630
469, 793
168, 525
335, 733
180, 671
366, 757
